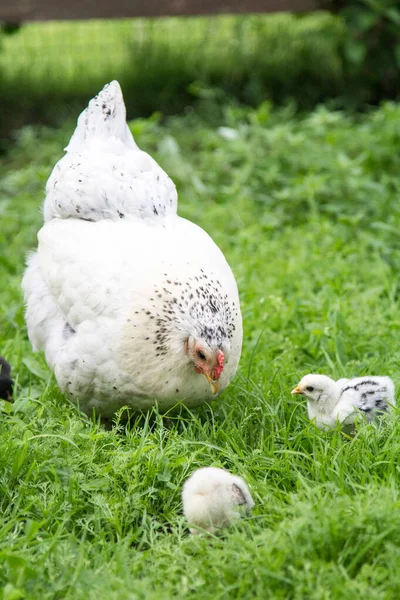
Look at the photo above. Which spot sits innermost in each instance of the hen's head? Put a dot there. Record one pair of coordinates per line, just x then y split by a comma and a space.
206, 361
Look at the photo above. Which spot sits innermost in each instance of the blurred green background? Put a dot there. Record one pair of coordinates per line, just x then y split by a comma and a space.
350, 57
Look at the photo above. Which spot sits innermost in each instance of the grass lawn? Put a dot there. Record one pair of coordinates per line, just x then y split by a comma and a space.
307, 212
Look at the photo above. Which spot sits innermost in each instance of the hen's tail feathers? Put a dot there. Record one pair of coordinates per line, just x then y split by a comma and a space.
105, 117
104, 175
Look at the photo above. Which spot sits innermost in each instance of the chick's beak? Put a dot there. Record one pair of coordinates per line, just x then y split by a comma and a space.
296, 390
214, 383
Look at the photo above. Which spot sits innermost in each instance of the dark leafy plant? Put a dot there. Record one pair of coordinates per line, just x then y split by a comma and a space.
371, 51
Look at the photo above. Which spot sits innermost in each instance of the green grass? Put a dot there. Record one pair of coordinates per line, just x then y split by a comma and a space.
307, 212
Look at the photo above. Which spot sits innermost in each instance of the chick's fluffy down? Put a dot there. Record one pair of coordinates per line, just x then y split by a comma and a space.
211, 499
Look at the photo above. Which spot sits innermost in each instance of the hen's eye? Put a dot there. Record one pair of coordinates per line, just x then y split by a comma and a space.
201, 355
309, 388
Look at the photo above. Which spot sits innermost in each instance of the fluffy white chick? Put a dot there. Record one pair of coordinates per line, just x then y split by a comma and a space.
131, 304
211, 499
330, 402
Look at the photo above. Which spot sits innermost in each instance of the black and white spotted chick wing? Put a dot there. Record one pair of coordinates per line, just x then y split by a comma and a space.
121, 288
370, 396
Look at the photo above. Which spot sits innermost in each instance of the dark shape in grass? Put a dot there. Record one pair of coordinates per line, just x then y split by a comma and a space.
6, 383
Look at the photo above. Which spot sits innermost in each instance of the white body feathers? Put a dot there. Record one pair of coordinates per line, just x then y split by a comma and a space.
120, 280
211, 499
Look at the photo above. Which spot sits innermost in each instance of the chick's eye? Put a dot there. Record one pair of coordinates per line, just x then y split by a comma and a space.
201, 355
309, 388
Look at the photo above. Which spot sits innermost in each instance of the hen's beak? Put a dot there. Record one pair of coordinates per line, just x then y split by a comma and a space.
214, 383
296, 390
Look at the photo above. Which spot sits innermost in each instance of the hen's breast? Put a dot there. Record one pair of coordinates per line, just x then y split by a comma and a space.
132, 291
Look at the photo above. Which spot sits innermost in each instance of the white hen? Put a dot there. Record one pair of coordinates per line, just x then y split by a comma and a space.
211, 498
330, 402
131, 304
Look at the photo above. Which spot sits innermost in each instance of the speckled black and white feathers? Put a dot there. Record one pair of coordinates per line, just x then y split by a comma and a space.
104, 175
121, 287
202, 301
103, 119
372, 393
330, 402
